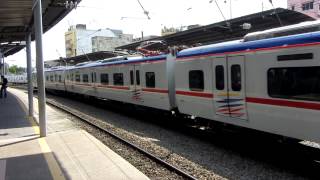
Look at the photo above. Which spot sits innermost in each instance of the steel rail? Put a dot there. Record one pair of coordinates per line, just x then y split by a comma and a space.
151, 156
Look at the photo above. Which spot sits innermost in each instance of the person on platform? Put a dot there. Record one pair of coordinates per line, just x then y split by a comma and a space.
4, 87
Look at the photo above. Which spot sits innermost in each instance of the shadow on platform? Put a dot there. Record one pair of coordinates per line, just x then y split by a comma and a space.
12, 114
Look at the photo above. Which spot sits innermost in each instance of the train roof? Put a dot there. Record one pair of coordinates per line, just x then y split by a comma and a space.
304, 27
240, 45
121, 61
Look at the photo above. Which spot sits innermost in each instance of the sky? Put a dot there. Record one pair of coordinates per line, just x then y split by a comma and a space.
128, 16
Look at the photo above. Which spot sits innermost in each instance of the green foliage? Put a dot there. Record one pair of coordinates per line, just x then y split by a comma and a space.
16, 70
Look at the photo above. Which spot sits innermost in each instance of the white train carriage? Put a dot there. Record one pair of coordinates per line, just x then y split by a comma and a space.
140, 81
17, 79
55, 79
272, 85
269, 81
78, 79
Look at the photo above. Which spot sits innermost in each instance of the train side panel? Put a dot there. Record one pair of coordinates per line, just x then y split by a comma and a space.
283, 93
281, 90
193, 79
154, 86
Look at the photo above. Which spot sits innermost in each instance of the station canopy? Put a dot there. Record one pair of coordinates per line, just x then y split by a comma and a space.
227, 30
16, 19
94, 56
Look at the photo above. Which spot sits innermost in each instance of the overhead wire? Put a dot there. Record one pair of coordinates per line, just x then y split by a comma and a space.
144, 10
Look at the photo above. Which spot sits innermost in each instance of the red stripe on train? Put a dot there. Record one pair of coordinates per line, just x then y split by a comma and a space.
198, 94
277, 102
115, 87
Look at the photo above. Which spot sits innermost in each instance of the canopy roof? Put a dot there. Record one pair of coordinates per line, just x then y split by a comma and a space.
16, 19
228, 30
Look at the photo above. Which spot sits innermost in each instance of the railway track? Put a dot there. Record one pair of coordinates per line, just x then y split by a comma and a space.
87, 120
258, 151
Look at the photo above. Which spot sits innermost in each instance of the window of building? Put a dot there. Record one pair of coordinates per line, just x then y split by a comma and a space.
85, 78
196, 80
236, 77
104, 78
71, 77
131, 78
150, 80
56, 77
51, 78
77, 77
138, 77
118, 79
60, 78
292, 7
219, 77
301, 83
47, 77
307, 6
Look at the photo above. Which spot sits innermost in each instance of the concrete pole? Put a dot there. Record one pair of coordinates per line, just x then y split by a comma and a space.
1, 65
40, 68
29, 75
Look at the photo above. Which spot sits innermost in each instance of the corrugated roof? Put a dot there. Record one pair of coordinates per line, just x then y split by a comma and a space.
228, 30
16, 17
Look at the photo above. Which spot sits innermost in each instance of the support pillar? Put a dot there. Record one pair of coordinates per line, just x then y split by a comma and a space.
29, 75
1, 65
40, 68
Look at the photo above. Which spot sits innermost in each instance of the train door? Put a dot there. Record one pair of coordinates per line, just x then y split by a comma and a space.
229, 87
94, 80
134, 84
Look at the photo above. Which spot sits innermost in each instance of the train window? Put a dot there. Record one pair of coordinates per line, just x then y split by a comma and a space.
236, 77
150, 80
196, 80
104, 78
118, 79
219, 77
138, 77
85, 78
77, 77
292, 57
301, 83
131, 78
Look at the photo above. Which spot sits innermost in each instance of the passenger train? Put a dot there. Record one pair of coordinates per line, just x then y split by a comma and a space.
267, 81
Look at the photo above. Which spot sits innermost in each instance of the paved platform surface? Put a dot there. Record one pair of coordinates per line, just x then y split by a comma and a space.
66, 153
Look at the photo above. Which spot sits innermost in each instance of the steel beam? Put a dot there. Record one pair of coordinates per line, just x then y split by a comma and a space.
29, 74
40, 68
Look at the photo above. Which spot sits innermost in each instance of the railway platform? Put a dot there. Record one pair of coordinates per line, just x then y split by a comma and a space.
66, 153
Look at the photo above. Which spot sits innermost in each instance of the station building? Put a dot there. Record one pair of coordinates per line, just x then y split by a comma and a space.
80, 40
308, 7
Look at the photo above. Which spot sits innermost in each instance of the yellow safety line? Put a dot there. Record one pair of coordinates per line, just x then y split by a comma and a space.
53, 165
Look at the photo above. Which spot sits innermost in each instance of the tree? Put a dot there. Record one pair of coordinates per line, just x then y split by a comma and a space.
13, 69
16, 70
